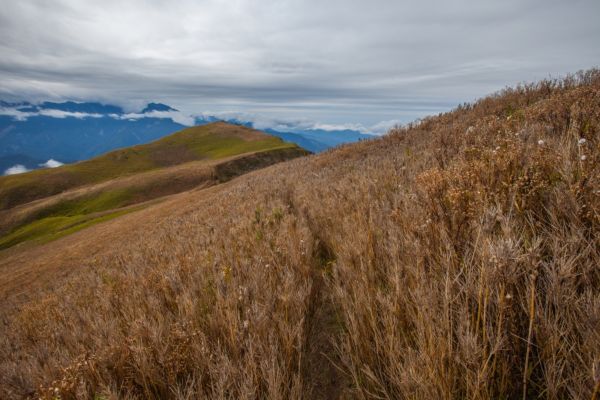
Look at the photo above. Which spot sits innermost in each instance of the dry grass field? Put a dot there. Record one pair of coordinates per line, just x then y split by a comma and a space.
454, 258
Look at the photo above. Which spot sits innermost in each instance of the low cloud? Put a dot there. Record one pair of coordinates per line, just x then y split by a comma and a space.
176, 116
51, 163
16, 169
384, 126
20, 169
24, 115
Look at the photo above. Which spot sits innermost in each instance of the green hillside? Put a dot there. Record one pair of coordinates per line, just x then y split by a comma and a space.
208, 142
46, 204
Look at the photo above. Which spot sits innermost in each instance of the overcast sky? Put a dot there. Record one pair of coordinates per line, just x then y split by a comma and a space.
327, 60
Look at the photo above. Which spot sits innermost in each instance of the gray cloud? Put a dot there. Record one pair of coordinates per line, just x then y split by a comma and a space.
335, 61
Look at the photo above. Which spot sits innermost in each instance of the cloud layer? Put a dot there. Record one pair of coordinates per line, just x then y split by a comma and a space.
335, 61
258, 121
16, 169
51, 163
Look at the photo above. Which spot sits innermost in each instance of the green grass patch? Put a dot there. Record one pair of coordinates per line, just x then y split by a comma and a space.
68, 216
51, 228
232, 147
104, 201
215, 146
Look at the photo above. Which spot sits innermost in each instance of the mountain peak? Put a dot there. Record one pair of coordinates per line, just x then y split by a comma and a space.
157, 107
86, 107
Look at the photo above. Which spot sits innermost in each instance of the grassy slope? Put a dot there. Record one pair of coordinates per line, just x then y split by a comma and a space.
56, 226
214, 144
456, 258
208, 142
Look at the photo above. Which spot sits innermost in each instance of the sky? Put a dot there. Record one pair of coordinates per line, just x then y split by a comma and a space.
372, 63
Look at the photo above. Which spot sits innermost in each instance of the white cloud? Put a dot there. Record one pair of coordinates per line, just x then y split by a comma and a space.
66, 114
339, 127
16, 169
384, 126
260, 121
51, 163
176, 116
23, 115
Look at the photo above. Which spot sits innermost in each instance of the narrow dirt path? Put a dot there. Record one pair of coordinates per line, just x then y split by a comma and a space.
322, 330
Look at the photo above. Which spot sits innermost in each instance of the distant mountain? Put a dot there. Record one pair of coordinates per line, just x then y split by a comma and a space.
157, 107
313, 145
317, 140
90, 108
68, 132
7, 104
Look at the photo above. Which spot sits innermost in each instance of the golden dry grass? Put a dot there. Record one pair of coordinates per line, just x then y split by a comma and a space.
454, 258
